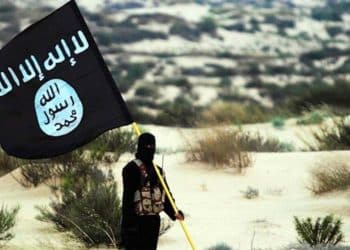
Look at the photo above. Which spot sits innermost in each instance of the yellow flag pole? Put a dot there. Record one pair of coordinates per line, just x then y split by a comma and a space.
167, 192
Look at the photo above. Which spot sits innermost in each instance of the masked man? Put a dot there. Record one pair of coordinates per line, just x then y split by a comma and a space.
143, 199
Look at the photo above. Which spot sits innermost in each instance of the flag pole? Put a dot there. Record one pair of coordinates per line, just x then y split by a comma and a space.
167, 192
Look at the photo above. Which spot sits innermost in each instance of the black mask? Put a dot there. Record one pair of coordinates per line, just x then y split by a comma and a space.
146, 148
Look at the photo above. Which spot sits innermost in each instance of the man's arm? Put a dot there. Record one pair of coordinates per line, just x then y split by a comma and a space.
130, 184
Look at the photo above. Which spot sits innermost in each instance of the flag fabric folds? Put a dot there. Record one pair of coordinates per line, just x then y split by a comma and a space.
56, 92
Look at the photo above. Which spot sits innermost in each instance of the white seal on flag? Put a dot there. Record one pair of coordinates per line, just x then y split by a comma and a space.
58, 108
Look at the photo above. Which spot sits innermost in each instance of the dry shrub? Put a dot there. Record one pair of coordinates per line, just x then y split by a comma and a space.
228, 113
221, 148
335, 136
7, 163
330, 175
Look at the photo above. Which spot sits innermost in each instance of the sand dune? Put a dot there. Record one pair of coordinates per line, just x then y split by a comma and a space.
215, 208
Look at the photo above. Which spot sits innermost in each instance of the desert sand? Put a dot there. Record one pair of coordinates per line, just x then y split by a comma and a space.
215, 208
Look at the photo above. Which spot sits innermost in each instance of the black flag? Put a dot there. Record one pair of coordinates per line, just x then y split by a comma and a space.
56, 92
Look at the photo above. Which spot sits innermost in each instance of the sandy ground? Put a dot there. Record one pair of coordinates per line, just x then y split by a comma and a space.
212, 200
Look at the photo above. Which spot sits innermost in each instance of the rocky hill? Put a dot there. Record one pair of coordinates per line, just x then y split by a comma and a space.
173, 59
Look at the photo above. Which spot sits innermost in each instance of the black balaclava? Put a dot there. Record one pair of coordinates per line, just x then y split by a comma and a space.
146, 148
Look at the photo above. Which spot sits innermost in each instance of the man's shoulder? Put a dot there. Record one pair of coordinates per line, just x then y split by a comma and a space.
130, 166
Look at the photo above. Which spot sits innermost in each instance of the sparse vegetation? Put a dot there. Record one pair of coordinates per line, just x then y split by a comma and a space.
314, 116
335, 136
181, 112
228, 113
7, 163
325, 231
86, 204
256, 143
278, 122
126, 35
220, 246
106, 148
330, 175
250, 193
185, 30
148, 90
220, 148
7, 222
208, 24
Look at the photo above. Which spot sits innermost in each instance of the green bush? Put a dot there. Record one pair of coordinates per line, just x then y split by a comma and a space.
86, 204
7, 222
321, 94
149, 90
325, 14
126, 35
333, 31
207, 24
180, 82
225, 82
117, 142
314, 116
184, 30
181, 112
278, 122
326, 231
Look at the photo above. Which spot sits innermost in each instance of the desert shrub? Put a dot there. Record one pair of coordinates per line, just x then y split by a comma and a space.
220, 148
240, 27
314, 116
134, 71
180, 82
334, 30
330, 175
106, 148
117, 141
86, 204
257, 143
139, 114
228, 113
325, 14
250, 193
126, 35
137, 70
320, 94
50, 171
320, 54
7, 222
344, 68
334, 137
278, 122
225, 82
181, 112
207, 24
317, 247
220, 71
184, 30
149, 90
325, 231
7, 163
220, 246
